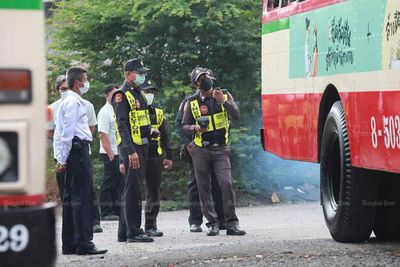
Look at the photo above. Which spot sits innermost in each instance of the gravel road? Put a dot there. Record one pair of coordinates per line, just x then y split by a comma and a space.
277, 235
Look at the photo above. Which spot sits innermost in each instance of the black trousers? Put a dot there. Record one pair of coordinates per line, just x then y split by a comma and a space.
111, 186
195, 213
153, 184
77, 229
61, 187
131, 201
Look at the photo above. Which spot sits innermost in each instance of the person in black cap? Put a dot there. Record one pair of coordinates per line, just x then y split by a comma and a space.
195, 214
207, 116
133, 133
159, 147
113, 181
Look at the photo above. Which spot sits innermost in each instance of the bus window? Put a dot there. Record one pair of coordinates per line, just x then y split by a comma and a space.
287, 2
272, 4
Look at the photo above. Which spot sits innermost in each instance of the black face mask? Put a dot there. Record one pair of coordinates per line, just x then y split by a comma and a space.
206, 84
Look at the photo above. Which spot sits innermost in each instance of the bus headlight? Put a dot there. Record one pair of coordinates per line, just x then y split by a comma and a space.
8, 157
5, 156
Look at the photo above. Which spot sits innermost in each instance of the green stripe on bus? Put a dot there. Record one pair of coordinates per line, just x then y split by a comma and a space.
274, 26
21, 4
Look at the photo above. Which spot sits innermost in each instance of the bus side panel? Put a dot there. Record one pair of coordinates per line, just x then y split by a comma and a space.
373, 122
372, 118
290, 125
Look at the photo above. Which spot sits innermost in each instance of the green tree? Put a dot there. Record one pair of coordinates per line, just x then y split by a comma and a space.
171, 37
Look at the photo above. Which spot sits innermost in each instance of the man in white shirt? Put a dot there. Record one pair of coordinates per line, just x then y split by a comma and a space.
72, 137
62, 87
113, 182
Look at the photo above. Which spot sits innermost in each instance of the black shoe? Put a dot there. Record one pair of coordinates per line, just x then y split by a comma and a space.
213, 230
235, 231
69, 251
122, 239
222, 226
140, 238
110, 218
154, 232
195, 228
93, 251
97, 228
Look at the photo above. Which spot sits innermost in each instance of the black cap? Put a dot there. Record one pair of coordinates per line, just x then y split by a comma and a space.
198, 71
135, 64
148, 84
108, 88
60, 79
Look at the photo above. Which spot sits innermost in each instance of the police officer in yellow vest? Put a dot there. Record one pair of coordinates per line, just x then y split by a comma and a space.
206, 116
133, 133
195, 214
159, 147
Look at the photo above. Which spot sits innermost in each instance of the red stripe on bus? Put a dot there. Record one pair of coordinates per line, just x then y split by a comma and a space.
21, 200
295, 8
290, 123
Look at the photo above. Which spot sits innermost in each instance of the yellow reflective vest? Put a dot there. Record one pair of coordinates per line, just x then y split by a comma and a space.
157, 125
218, 120
137, 118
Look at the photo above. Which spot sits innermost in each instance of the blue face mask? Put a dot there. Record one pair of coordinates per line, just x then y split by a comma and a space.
140, 78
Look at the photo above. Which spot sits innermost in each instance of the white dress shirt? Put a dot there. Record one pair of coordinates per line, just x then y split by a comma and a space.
106, 125
71, 120
51, 125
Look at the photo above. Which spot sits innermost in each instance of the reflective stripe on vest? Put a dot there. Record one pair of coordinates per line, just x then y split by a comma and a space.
137, 119
220, 120
159, 121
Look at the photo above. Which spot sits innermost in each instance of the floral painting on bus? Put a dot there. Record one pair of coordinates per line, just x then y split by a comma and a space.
337, 39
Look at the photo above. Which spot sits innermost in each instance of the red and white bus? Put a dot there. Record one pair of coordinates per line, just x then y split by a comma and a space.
331, 94
27, 223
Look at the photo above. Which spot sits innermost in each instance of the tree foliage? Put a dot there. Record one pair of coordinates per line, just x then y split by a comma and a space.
172, 37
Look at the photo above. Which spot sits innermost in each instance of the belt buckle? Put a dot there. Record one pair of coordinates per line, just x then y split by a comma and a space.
206, 143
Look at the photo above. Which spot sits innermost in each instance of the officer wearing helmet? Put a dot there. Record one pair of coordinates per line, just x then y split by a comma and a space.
207, 117
195, 214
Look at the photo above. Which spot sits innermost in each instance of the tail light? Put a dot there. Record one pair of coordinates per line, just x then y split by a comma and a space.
15, 86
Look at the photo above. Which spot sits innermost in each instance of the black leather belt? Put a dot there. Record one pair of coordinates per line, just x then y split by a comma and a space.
77, 143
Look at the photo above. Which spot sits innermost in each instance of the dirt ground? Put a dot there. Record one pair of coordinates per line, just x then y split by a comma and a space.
277, 235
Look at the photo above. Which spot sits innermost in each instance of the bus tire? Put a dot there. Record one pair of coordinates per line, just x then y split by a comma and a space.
387, 218
348, 194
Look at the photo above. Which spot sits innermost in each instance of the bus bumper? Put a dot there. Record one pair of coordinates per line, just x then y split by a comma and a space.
27, 236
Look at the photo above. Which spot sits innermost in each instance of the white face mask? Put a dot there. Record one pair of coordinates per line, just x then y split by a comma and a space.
150, 98
63, 94
85, 87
